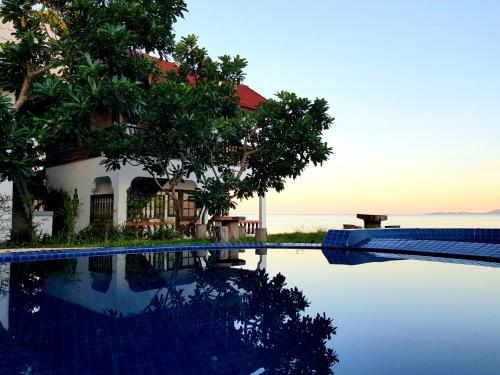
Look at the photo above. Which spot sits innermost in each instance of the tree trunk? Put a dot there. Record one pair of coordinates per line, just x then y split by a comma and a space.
177, 210
23, 94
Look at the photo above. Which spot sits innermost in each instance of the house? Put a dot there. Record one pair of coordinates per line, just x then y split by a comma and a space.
104, 196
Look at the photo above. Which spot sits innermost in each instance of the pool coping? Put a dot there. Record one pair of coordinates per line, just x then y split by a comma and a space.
458, 243
28, 255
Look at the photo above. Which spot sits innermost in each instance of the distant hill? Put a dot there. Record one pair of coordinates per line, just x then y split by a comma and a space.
494, 212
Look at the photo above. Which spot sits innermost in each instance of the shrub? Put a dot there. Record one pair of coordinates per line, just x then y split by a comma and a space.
164, 233
103, 233
65, 212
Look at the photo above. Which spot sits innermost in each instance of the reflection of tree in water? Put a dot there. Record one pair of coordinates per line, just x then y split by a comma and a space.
261, 313
234, 322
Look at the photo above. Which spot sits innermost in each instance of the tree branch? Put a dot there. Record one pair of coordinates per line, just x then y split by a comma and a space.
28, 77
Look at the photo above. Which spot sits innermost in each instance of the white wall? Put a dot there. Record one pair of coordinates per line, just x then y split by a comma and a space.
43, 222
6, 210
5, 32
82, 175
79, 175
119, 296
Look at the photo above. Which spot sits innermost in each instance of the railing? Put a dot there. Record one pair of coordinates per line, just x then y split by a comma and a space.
142, 208
101, 208
250, 226
131, 129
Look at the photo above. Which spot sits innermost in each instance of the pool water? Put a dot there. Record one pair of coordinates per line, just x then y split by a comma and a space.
252, 312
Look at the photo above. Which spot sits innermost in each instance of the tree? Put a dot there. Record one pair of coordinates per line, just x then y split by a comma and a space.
79, 65
53, 35
258, 151
194, 127
185, 109
19, 146
70, 60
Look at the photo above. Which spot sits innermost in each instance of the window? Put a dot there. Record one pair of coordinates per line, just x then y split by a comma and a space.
171, 210
188, 205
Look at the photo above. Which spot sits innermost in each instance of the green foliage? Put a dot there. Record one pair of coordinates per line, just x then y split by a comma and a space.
70, 59
185, 110
113, 236
215, 196
298, 237
19, 146
135, 205
286, 138
164, 233
65, 213
74, 59
103, 233
195, 127
25, 234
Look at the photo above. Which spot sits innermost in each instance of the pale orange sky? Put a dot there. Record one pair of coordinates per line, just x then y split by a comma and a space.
386, 186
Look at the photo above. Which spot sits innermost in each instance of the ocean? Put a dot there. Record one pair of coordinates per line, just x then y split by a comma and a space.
283, 223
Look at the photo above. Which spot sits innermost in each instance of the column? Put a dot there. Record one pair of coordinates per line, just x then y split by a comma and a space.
262, 211
120, 187
261, 232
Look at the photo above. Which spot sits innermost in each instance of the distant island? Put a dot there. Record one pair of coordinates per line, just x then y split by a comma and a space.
494, 212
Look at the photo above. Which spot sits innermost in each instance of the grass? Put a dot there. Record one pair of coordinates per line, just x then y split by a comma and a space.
295, 237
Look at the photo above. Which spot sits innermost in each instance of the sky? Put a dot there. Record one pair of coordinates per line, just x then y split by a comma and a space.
414, 88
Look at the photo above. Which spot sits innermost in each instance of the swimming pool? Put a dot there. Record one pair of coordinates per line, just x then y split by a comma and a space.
252, 311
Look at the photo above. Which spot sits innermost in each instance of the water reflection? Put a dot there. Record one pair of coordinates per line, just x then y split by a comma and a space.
354, 258
189, 312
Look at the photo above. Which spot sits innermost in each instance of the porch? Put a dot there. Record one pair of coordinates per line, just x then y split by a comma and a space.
105, 197
149, 209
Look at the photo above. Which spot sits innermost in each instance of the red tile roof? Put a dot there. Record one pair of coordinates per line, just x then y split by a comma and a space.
249, 99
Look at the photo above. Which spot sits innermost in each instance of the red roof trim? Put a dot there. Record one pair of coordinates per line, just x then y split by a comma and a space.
249, 99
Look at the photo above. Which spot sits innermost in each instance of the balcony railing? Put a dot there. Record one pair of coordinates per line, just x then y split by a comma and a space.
250, 226
131, 129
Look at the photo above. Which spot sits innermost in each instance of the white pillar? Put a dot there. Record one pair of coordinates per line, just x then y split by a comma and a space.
262, 253
120, 187
262, 265
262, 211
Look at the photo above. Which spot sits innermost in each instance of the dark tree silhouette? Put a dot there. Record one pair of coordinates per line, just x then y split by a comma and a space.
234, 322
